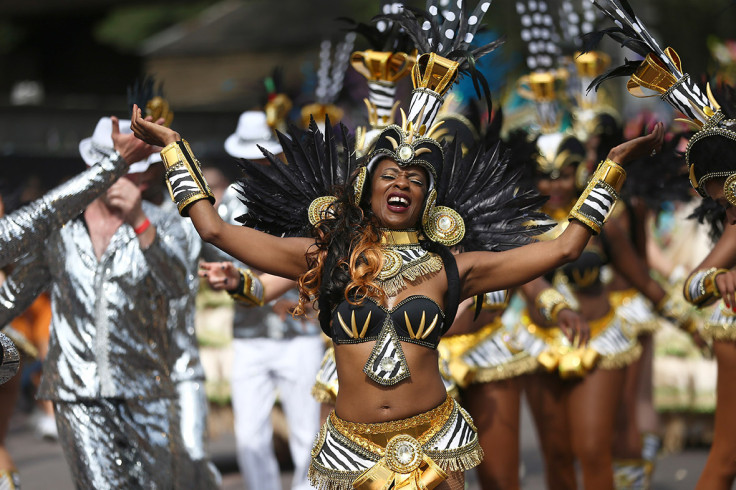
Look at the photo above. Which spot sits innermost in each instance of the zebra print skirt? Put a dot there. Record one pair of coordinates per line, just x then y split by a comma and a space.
490, 354
611, 346
721, 325
421, 449
634, 311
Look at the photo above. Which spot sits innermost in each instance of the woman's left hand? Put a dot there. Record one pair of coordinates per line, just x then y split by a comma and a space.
638, 147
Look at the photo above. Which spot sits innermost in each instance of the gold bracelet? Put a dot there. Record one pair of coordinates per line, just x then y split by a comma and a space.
701, 289
597, 201
184, 176
250, 290
550, 302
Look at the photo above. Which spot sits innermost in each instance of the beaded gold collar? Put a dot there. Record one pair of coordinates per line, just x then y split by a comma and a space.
404, 260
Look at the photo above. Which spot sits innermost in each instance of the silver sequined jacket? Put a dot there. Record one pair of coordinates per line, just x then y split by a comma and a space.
109, 335
25, 229
185, 361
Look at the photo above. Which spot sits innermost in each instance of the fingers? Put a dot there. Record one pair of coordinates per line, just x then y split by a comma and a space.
115, 126
727, 286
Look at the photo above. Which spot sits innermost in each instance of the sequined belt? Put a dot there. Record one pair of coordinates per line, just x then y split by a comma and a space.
409, 454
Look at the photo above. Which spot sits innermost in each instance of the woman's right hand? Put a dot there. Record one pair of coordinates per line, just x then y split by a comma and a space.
638, 147
574, 327
726, 284
220, 275
150, 132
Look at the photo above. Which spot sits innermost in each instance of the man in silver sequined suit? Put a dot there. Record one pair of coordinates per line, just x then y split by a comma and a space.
24, 229
111, 276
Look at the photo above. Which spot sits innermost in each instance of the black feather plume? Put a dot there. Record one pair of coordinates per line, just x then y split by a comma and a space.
278, 194
486, 190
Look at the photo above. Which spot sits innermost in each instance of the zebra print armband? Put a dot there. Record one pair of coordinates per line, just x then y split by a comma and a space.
701, 289
250, 290
184, 176
550, 302
597, 201
495, 300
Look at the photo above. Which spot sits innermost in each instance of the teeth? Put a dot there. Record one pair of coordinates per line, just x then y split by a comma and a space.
399, 200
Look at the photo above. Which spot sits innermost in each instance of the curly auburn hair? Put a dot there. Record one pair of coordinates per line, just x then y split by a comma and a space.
346, 258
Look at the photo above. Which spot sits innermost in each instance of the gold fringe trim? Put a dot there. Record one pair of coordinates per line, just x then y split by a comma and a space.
323, 394
411, 273
322, 481
508, 370
469, 457
621, 359
716, 331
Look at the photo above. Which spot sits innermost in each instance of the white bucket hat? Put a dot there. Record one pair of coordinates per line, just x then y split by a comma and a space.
100, 144
251, 132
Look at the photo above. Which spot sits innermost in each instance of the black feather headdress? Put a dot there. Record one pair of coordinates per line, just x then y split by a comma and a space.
278, 195
449, 34
500, 211
661, 72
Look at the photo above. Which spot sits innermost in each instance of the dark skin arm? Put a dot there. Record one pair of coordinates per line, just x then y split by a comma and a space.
490, 271
283, 257
629, 264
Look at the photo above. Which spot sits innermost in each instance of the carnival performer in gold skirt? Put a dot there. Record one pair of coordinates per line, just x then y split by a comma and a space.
374, 255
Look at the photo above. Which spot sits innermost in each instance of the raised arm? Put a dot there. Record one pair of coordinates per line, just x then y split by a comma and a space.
275, 255
488, 271
26, 228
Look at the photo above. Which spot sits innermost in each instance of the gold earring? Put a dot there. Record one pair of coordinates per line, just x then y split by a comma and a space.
442, 224
729, 189
359, 184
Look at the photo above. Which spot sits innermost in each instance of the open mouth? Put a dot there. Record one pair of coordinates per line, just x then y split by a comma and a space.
398, 203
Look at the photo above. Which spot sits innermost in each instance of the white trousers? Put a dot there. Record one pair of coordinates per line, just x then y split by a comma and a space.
262, 369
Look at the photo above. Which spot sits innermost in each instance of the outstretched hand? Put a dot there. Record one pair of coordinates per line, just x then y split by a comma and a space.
220, 275
638, 147
131, 149
150, 132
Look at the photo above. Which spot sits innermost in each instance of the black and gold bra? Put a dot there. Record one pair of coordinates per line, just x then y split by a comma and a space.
416, 319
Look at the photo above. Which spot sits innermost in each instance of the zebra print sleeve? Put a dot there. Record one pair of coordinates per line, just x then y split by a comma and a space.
184, 177
598, 199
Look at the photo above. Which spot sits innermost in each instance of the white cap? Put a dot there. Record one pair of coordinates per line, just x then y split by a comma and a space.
252, 131
100, 144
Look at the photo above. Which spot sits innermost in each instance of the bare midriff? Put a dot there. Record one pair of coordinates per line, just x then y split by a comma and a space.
361, 399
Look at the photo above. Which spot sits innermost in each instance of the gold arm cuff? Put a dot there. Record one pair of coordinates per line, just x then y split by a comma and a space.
608, 178
549, 303
178, 157
250, 291
611, 173
707, 289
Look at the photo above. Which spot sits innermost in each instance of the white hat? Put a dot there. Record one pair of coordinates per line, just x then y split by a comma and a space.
100, 144
252, 131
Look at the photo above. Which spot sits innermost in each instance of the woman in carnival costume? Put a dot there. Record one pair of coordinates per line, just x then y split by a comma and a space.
374, 256
576, 391
712, 173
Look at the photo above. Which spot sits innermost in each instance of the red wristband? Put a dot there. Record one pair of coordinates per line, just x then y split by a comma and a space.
142, 227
